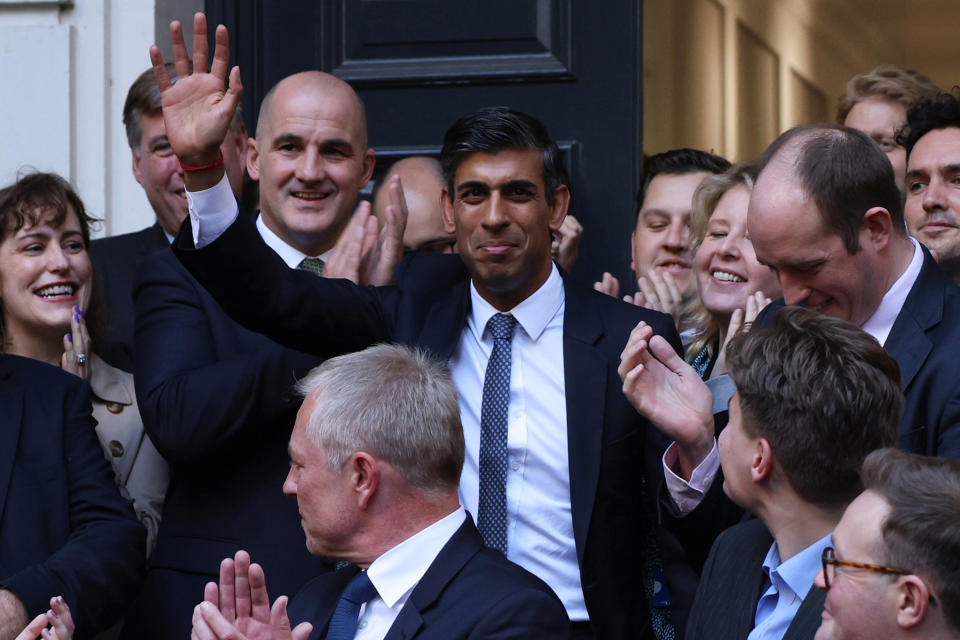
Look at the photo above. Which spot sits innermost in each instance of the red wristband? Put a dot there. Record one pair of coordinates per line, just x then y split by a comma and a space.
213, 165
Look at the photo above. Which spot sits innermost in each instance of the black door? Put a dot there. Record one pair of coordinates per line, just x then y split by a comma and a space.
420, 64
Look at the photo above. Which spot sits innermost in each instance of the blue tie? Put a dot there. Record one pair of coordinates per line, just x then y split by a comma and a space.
343, 624
492, 508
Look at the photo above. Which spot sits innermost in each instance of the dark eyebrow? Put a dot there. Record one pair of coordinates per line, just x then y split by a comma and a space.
472, 184
951, 168
520, 184
155, 139
916, 173
287, 138
34, 234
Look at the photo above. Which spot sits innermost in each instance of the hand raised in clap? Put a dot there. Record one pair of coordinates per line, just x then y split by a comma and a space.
669, 393
239, 607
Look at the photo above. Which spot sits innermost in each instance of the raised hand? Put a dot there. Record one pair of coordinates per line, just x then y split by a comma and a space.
738, 319
368, 256
669, 393
197, 110
239, 607
55, 624
608, 284
76, 347
380, 264
356, 241
566, 243
660, 292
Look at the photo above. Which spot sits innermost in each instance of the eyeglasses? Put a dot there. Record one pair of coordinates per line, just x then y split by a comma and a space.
830, 564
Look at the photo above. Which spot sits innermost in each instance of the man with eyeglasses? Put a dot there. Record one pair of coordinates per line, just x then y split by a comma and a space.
814, 396
894, 569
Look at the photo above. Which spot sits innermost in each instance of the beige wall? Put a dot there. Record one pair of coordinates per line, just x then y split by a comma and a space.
729, 75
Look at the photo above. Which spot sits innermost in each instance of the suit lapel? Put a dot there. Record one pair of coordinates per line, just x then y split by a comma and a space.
11, 399
445, 321
808, 617
464, 544
752, 580
585, 380
922, 310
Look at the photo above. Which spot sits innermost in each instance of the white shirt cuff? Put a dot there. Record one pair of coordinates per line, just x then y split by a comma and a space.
215, 207
687, 495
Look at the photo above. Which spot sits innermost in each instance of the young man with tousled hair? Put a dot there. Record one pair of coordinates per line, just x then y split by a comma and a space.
814, 395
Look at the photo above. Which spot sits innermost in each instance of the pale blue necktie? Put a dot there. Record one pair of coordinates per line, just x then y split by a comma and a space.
492, 508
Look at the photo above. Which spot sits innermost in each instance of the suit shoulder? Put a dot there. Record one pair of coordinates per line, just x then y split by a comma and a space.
616, 313
39, 377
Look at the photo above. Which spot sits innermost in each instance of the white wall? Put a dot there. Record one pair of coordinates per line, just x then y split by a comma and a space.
65, 67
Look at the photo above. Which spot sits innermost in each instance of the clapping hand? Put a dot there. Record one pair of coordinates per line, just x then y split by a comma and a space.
55, 624
239, 607
367, 255
738, 320
668, 392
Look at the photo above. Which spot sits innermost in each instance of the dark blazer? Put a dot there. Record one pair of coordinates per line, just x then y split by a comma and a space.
64, 529
217, 401
469, 591
925, 342
732, 583
115, 261
610, 445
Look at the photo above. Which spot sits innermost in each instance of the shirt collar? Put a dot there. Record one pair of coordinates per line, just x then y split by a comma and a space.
533, 314
881, 322
290, 255
799, 571
397, 572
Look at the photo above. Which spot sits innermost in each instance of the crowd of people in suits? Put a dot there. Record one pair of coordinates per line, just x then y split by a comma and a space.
408, 415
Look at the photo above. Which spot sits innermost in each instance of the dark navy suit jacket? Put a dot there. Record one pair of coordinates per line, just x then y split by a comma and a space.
64, 529
925, 342
614, 454
469, 591
217, 401
115, 260
732, 583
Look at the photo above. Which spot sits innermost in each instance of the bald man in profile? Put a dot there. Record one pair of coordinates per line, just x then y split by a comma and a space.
422, 180
217, 399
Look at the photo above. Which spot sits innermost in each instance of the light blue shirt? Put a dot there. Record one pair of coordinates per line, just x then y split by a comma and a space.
789, 583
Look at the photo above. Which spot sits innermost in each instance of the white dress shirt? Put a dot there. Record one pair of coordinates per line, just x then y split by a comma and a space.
397, 572
539, 516
881, 322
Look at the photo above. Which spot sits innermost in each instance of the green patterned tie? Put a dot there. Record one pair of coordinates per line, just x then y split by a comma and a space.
313, 265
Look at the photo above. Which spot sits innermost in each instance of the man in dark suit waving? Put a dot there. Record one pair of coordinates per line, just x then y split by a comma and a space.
375, 460
555, 456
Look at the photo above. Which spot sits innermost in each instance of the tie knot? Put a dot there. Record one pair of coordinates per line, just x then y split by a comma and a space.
360, 589
501, 325
313, 265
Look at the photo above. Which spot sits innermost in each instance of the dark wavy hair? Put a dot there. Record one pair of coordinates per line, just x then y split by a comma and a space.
677, 162
823, 393
495, 129
37, 197
939, 112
